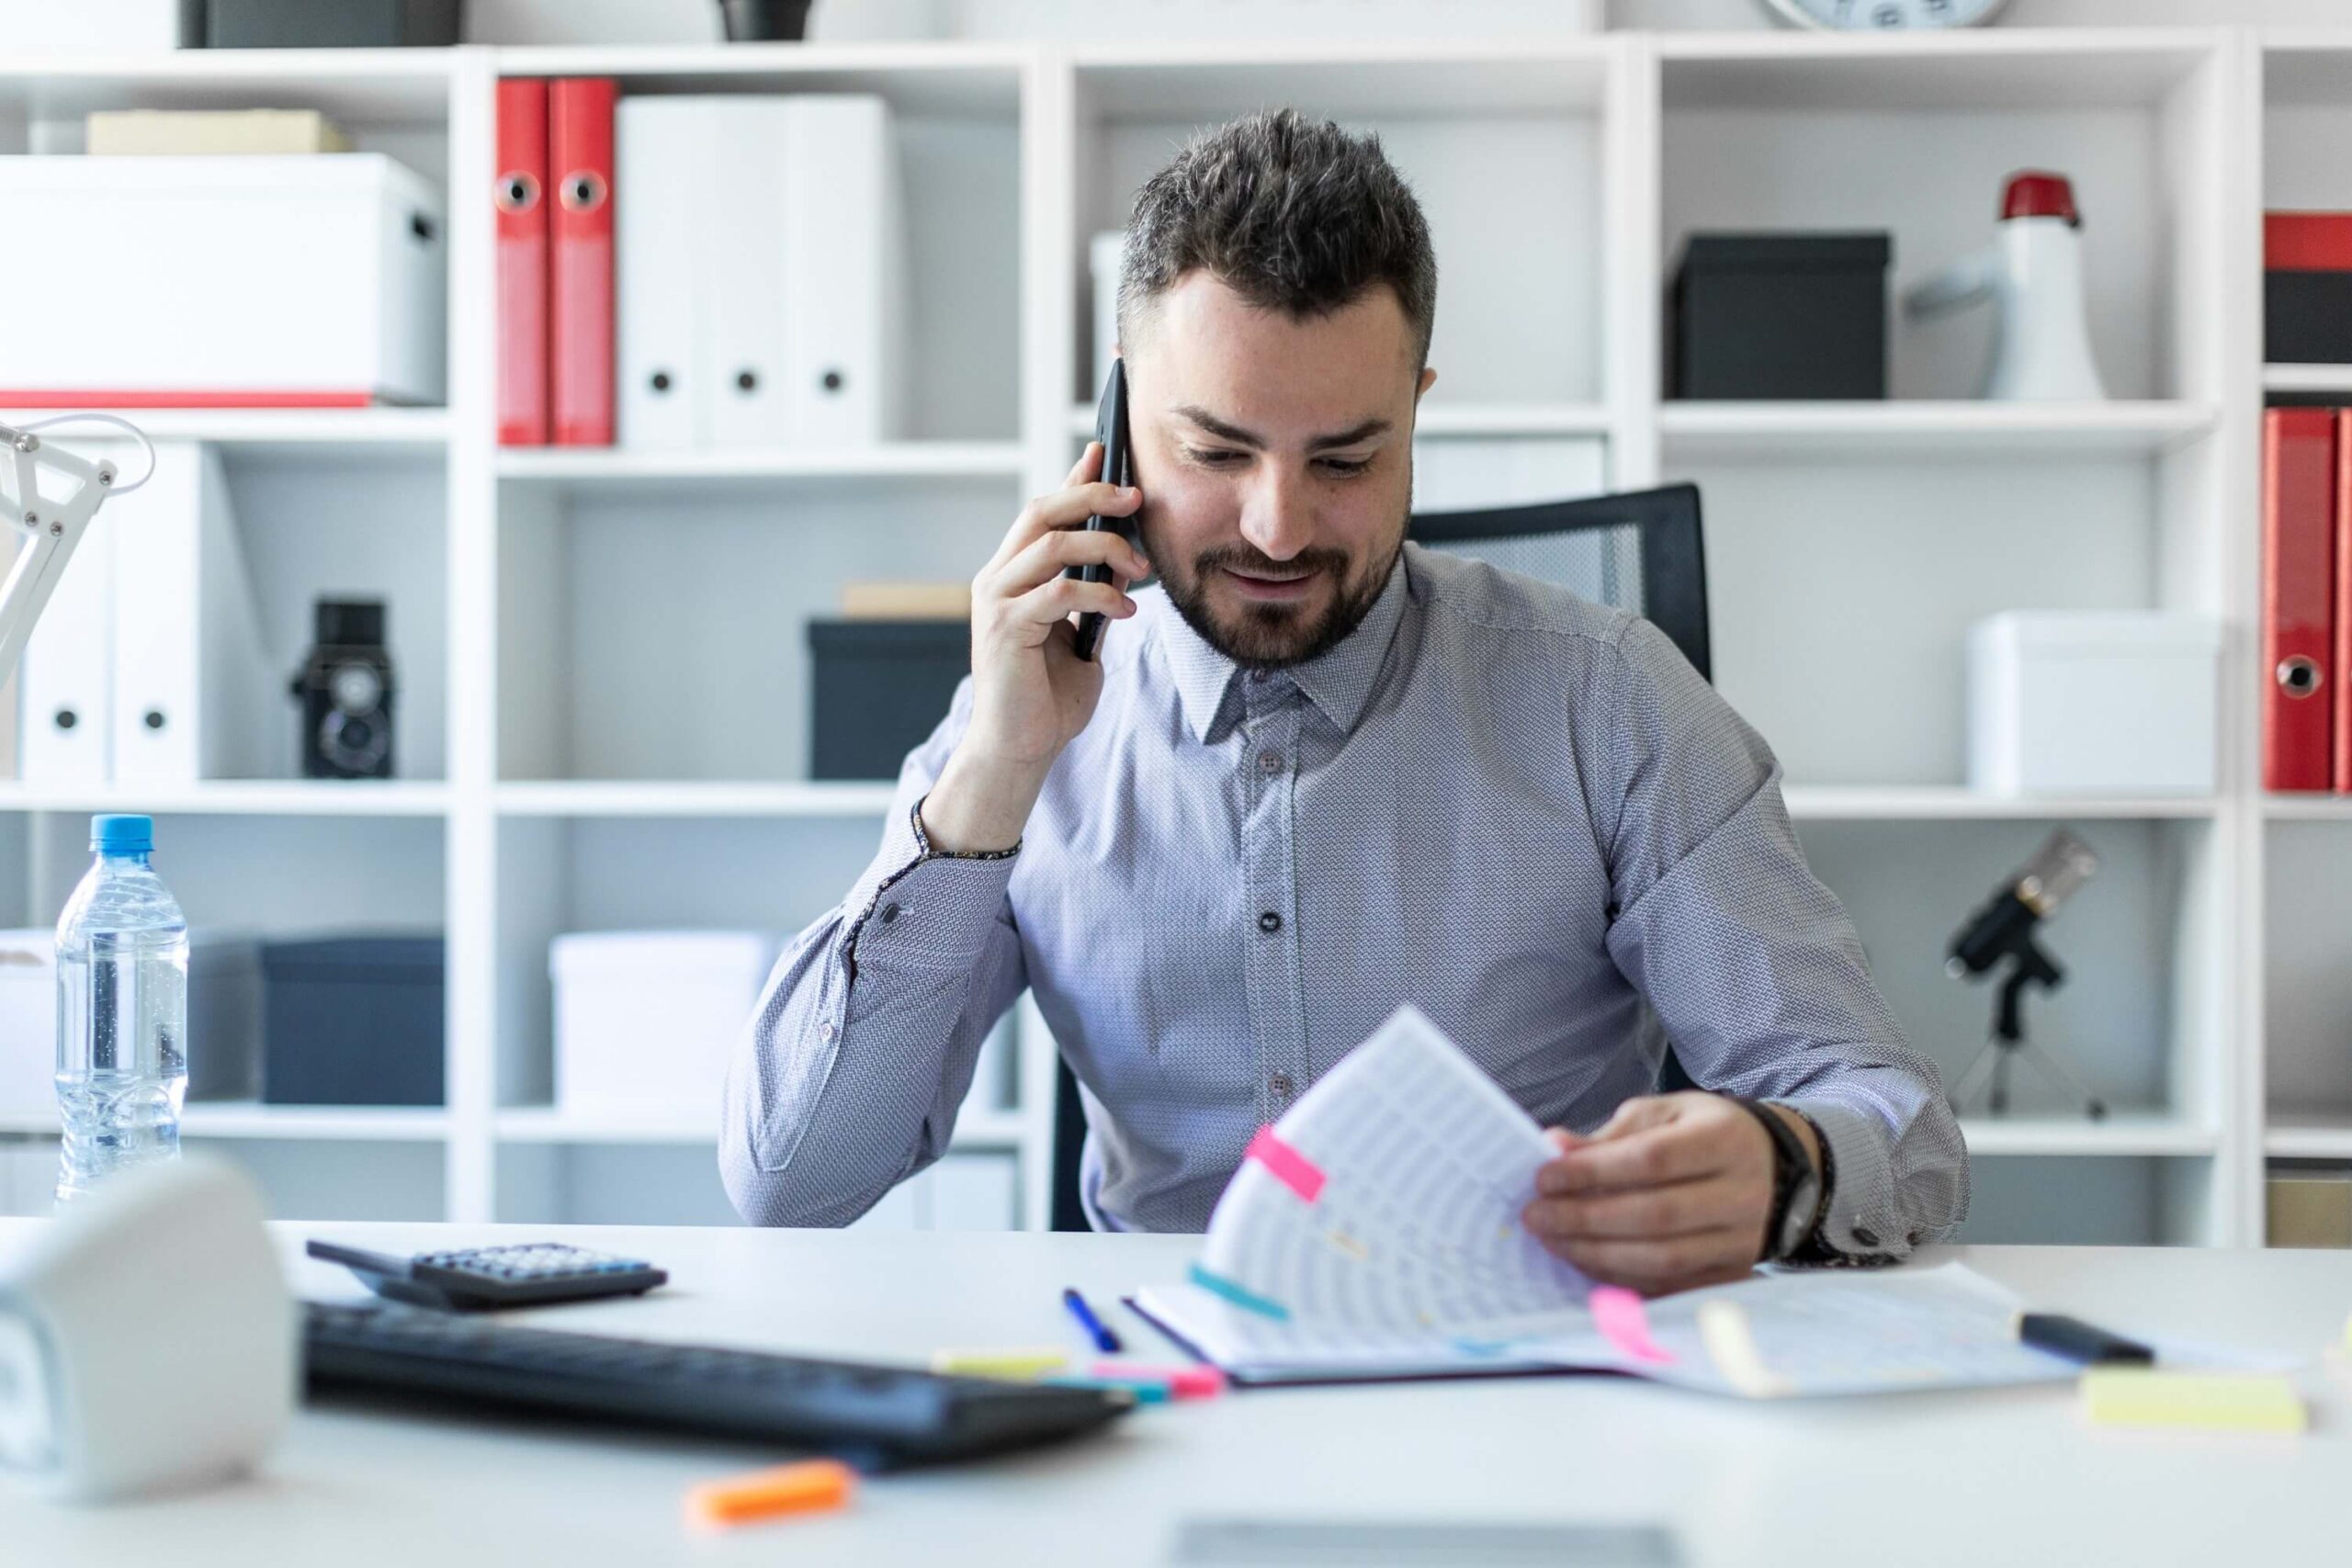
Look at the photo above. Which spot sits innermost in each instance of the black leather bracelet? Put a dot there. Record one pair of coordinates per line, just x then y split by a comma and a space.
1790, 1164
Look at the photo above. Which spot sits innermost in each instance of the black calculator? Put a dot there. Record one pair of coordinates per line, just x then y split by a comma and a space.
477, 1278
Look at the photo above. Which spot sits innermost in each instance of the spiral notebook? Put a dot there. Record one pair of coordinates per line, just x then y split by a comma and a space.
1374, 1233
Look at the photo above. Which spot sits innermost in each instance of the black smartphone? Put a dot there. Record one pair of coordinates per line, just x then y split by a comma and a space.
1118, 469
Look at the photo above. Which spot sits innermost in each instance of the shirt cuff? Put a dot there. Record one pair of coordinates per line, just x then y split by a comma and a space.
1859, 1225
918, 905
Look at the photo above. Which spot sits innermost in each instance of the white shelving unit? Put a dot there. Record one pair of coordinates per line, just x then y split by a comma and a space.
613, 714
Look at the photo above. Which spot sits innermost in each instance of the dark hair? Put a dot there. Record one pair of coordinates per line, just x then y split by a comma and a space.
1291, 215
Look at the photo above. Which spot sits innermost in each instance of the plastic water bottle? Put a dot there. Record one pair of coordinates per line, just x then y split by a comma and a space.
121, 1011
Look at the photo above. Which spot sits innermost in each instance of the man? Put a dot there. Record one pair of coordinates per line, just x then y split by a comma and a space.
1316, 774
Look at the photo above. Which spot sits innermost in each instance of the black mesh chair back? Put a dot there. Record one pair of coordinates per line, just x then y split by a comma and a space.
1640, 551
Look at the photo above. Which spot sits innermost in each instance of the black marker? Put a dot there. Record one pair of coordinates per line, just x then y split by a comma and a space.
2078, 1341
1118, 469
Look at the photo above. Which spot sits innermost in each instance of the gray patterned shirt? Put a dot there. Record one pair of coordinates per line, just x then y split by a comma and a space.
1523, 812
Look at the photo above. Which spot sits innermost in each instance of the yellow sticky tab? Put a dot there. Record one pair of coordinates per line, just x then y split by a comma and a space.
2347, 1336
1731, 1345
812, 1486
2142, 1397
1019, 1364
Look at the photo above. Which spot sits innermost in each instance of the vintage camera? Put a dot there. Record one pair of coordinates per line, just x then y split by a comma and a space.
345, 689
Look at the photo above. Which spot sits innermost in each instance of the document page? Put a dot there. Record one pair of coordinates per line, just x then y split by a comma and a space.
1375, 1231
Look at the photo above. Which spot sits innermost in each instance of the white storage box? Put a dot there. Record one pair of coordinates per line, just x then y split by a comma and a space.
2120, 702
223, 282
645, 1021
223, 1020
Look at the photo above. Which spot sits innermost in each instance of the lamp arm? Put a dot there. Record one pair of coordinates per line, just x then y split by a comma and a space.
47, 529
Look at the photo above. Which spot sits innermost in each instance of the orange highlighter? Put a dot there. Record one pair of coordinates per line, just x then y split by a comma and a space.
812, 1486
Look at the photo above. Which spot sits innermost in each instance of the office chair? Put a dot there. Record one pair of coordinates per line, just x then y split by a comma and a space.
1640, 551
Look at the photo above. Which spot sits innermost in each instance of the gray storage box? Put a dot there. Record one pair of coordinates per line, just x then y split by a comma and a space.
352, 1020
881, 688
320, 23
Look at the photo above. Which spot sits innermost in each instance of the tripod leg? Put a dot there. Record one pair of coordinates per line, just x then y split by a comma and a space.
2058, 1073
1998, 1102
1958, 1094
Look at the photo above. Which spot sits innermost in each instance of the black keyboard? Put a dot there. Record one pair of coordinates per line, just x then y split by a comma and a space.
872, 1414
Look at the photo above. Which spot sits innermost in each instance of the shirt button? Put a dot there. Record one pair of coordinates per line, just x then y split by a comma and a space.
889, 913
1867, 1237
1280, 1084
1270, 763
825, 1030
1256, 677
1269, 921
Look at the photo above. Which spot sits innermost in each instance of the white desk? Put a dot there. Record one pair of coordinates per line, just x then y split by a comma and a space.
2006, 1477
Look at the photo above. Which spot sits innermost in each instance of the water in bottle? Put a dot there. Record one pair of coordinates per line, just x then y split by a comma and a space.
121, 1011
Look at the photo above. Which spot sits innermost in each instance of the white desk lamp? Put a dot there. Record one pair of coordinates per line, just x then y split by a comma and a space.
48, 527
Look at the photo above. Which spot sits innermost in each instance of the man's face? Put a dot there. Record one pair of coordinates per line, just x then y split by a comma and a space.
1276, 462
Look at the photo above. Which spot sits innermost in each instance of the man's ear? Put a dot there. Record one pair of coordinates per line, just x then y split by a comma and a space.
1428, 378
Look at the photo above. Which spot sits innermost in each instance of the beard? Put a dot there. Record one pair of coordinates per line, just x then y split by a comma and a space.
1273, 636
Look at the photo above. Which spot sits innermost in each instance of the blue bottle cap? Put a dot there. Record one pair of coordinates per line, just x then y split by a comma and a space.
123, 835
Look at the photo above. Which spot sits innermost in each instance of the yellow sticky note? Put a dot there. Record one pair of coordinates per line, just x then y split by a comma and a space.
1017, 1363
1731, 1345
2142, 1397
2347, 1336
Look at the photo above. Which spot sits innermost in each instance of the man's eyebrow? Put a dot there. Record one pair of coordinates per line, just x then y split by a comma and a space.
1251, 439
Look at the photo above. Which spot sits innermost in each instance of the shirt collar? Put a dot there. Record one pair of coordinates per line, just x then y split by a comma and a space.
1338, 681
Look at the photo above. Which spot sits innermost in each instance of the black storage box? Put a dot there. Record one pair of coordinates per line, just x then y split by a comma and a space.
880, 689
352, 1020
1781, 316
2307, 287
319, 24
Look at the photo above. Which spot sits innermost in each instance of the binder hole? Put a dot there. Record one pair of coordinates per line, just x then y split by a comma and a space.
154, 719
583, 192
833, 380
422, 227
518, 193
2299, 676
67, 719
660, 380
747, 380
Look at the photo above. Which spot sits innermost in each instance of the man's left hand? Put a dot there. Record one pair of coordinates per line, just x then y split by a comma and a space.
1673, 1191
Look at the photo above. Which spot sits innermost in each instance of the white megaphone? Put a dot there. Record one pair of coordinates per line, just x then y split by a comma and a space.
2042, 350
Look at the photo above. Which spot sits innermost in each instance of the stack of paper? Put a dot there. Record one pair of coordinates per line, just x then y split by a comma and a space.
1374, 1232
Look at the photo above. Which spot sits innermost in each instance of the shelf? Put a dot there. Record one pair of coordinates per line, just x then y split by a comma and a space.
228, 798
2308, 1134
591, 799
1922, 73
248, 1119
919, 76
1464, 419
1817, 803
265, 433
356, 86
2125, 1133
1876, 431
974, 1131
616, 470
2307, 378
1201, 82
2307, 807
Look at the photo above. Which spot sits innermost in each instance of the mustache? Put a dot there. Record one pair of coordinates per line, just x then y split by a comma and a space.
1252, 563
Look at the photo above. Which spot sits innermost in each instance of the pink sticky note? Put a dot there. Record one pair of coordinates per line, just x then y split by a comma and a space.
1619, 1313
1183, 1383
1289, 1168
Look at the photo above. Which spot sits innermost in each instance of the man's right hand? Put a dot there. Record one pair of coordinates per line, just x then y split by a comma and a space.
1031, 692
